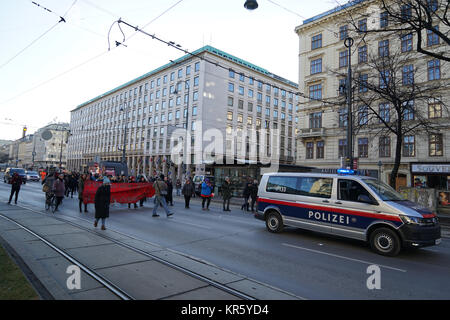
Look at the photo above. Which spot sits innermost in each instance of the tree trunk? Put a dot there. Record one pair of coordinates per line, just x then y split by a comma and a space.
397, 160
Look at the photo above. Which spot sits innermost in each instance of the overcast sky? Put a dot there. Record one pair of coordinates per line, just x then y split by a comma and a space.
48, 68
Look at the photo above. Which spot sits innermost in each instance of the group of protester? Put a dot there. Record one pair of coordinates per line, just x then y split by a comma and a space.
60, 184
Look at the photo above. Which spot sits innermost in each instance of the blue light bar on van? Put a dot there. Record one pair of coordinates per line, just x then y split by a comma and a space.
345, 171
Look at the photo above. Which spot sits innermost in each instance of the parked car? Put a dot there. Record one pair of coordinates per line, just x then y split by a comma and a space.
32, 176
10, 171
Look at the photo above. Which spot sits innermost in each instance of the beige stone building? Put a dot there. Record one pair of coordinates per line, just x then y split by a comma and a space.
215, 95
322, 126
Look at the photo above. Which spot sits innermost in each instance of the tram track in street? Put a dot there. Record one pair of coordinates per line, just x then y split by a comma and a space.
116, 290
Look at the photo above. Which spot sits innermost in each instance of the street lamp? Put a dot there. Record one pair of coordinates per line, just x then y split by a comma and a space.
251, 4
348, 42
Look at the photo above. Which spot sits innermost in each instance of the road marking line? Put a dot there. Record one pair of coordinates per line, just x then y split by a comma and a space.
342, 257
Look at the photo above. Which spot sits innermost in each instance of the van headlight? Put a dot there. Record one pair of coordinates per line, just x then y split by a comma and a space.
411, 220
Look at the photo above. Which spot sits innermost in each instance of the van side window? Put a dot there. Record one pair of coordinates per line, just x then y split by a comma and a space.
315, 187
286, 185
349, 190
304, 186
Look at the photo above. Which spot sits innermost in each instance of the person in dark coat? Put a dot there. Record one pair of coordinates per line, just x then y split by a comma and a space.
81, 182
16, 182
254, 193
227, 193
188, 191
246, 195
59, 190
169, 195
102, 200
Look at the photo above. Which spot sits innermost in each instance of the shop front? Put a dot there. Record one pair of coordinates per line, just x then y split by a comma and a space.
431, 175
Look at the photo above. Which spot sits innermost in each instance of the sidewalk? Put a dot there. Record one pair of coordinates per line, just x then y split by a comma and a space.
141, 276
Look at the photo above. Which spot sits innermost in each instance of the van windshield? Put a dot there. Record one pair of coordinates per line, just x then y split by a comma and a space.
384, 191
19, 171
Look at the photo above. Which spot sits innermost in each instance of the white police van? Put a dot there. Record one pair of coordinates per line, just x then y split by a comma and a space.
352, 206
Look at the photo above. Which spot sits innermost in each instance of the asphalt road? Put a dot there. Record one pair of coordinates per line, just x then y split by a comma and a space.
310, 265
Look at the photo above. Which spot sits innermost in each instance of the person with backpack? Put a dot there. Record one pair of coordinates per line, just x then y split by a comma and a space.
206, 194
59, 190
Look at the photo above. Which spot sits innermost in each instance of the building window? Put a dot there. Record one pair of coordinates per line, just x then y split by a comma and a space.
362, 25
408, 75
343, 32
231, 73
343, 118
315, 92
241, 90
241, 104
310, 150
383, 48
362, 54
363, 82
343, 58
384, 112
435, 145
363, 115
315, 120
363, 147
197, 66
316, 42
230, 101
434, 110
320, 150
384, 147
230, 115
434, 70
240, 118
384, 79
230, 87
316, 66
407, 42
408, 110
194, 110
342, 151
432, 37
409, 146
406, 12
384, 21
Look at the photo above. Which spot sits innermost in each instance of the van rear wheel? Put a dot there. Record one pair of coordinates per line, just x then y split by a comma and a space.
385, 241
274, 223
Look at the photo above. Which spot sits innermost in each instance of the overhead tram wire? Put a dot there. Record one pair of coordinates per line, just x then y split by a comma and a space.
81, 64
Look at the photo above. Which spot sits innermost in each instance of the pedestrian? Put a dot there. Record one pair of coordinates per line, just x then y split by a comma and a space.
16, 181
246, 195
131, 180
169, 196
160, 199
188, 191
254, 194
59, 189
48, 186
143, 199
102, 200
81, 183
206, 194
227, 193
178, 187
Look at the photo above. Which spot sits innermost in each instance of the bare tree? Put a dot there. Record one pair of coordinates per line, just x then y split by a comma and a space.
392, 98
427, 20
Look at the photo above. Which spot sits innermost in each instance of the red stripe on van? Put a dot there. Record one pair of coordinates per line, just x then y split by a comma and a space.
343, 211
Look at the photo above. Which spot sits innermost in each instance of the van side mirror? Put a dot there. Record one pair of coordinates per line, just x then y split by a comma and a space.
365, 199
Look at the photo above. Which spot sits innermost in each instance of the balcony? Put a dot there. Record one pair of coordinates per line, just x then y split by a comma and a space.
311, 133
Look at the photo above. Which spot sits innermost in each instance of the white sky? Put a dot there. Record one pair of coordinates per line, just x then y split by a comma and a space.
71, 64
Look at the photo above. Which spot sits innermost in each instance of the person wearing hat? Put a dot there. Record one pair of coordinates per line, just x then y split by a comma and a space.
206, 194
102, 200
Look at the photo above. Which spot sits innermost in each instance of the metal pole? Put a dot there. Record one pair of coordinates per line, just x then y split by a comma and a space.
125, 138
348, 42
187, 130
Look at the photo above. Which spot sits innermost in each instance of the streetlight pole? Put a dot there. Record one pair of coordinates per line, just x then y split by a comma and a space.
125, 136
348, 42
188, 86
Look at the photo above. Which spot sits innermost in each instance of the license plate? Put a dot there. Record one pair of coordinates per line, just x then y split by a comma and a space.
438, 241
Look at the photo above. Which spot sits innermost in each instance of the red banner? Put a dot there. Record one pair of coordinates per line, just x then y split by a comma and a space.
120, 192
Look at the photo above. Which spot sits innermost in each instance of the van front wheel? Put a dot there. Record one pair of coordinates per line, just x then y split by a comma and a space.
385, 241
274, 223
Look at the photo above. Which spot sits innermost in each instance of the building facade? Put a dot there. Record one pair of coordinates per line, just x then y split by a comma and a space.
322, 126
208, 102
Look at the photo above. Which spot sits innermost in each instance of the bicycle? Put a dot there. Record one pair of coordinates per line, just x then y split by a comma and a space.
50, 202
